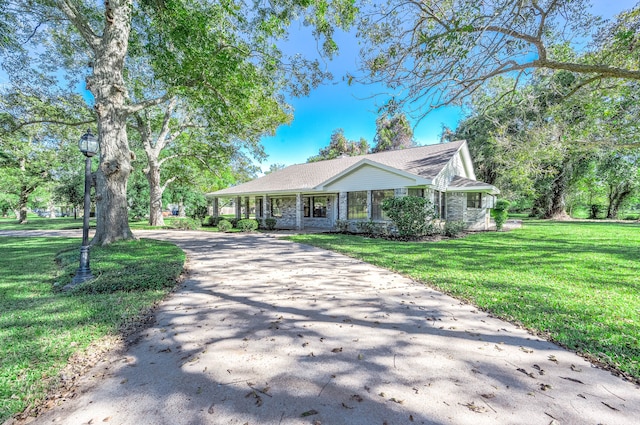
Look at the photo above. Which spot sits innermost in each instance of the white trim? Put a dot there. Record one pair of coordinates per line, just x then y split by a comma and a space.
484, 189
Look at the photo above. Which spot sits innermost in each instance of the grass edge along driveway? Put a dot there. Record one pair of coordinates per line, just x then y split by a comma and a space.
42, 329
577, 283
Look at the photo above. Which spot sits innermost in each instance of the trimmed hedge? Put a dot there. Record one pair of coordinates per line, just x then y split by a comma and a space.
247, 225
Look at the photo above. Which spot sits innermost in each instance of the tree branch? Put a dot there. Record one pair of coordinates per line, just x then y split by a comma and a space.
131, 109
57, 122
81, 24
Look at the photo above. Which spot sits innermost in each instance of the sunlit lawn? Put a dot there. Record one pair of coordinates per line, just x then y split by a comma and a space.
577, 282
40, 328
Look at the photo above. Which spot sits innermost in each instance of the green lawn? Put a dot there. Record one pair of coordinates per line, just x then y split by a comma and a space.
35, 222
577, 282
41, 328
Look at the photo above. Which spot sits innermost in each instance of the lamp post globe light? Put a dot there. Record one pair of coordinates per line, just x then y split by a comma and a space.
88, 145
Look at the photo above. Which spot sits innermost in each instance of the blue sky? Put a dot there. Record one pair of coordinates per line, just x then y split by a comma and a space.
352, 108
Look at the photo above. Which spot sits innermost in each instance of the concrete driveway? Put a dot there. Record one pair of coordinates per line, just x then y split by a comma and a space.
265, 331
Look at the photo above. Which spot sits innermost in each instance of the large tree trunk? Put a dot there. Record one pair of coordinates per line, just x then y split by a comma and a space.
155, 190
52, 209
107, 86
22, 204
616, 197
555, 207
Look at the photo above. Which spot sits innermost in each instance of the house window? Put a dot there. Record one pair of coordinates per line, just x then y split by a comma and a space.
357, 205
315, 206
490, 201
305, 203
259, 208
474, 200
319, 206
416, 192
276, 207
439, 204
377, 197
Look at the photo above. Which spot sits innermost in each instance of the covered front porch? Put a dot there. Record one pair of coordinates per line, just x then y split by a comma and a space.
296, 211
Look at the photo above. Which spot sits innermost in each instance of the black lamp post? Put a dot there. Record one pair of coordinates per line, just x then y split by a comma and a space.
88, 145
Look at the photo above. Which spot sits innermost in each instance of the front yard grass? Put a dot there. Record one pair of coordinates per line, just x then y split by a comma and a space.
578, 283
41, 328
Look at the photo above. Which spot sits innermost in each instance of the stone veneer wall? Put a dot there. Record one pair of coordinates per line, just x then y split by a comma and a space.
456, 206
474, 218
288, 208
289, 213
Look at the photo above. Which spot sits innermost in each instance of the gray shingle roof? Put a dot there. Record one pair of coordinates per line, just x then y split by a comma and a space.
424, 161
461, 184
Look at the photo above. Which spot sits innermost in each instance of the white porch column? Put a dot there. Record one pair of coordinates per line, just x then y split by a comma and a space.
215, 209
342, 206
266, 213
238, 207
369, 203
246, 207
299, 211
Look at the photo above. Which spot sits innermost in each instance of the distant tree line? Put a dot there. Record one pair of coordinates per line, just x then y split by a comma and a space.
392, 133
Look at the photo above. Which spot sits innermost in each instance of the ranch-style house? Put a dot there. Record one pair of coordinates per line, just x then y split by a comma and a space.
317, 194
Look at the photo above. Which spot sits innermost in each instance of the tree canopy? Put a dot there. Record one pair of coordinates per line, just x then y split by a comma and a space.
222, 55
339, 146
392, 133
439, 52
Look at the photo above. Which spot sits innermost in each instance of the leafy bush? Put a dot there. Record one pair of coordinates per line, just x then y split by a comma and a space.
247, 225
412, 215
500, 213
342, 226
225, 225
372, 228
185, 224
233, 221
212, 221
453, 228
270, 223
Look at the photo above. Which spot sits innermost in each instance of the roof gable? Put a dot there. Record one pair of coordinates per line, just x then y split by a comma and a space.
366, 169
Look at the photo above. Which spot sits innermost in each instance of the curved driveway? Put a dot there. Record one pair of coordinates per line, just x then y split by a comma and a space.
265, 331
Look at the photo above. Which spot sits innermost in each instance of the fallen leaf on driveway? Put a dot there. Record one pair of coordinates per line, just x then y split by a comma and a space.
472, 406
529, 374
337, 350
309, 413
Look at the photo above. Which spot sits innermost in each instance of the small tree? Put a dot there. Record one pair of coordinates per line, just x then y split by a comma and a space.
411, 215
500, 213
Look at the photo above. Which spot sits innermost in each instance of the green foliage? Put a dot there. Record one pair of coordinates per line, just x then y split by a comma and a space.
42, 328
411, 215
393, 133
270, 223
342, 226
581, 292
500, 213
137, 196
186, 223
453, 228
339, 145
225, 225
373, 228
247, 225
212, 221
